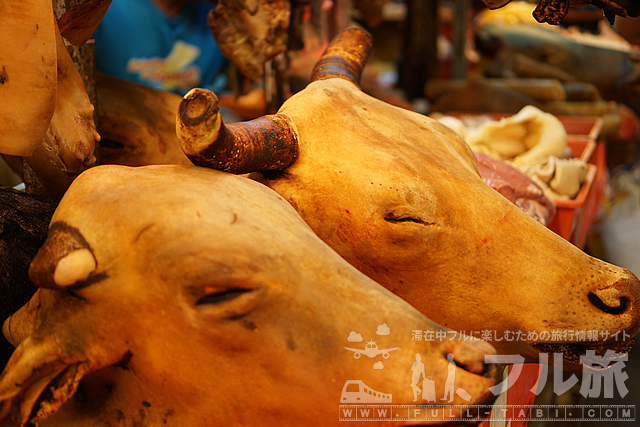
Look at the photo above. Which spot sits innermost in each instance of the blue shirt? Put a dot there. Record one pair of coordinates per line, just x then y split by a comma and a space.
138, 41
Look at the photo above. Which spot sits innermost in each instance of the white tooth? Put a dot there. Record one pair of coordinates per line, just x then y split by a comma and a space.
76, 266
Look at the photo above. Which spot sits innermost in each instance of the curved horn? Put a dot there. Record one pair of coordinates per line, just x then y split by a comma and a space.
345, 56
266, 143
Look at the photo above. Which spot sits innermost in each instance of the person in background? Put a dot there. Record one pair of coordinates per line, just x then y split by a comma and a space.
167, 45
164, 44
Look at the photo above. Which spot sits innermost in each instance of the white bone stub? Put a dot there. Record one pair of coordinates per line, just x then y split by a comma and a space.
76, 266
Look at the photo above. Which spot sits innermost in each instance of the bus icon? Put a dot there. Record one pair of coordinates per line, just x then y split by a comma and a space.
356, 391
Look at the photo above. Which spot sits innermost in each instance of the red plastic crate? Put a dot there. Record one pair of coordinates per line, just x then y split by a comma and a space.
573, 217
570, 215
585, 126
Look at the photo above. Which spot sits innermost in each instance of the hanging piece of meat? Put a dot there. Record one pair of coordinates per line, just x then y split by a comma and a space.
553, 11
78, 24
27, 74
69, 143
250, 32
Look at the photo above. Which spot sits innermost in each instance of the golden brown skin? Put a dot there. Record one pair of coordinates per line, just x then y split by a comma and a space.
210, 302
399, 196
68, 145
137, 124
27, 74
413, 213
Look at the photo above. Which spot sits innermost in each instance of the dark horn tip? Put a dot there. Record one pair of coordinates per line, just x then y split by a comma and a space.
345, 56
197, 106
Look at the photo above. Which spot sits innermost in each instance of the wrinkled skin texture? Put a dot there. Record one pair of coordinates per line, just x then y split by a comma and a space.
250, 32
211, 303
409, 209
68, 145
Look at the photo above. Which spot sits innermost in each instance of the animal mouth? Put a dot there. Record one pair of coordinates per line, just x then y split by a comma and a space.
572, 352
57, 391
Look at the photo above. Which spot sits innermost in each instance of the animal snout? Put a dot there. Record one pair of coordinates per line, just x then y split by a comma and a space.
470, 356
619, 298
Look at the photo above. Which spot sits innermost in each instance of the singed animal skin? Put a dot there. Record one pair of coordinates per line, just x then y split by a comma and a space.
400, 197
199, 298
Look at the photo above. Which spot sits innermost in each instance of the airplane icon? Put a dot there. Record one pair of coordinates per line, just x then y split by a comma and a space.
371, 350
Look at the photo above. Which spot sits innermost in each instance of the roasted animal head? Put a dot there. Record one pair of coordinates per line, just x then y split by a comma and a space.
178, 294
399, 196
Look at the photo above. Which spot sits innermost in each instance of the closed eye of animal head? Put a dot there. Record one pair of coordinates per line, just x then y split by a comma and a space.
230, 298
401, 216
220, 297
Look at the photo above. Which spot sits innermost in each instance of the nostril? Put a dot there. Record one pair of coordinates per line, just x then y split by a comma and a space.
612, 306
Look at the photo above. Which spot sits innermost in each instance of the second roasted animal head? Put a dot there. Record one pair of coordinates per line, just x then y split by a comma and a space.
399, 196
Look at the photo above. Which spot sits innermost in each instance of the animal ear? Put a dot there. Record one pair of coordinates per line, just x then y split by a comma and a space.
39, 378
23, 322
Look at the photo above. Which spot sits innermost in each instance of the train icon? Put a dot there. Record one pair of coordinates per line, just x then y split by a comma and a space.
371, 350
356, 391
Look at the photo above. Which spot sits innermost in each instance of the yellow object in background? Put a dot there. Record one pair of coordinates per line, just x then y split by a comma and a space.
516, 12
